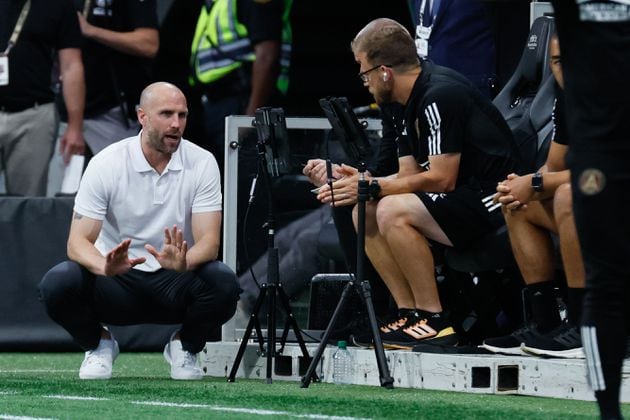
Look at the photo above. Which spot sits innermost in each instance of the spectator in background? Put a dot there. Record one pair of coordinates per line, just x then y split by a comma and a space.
457, 34
120, 40
240, 61
125, 267
28, 118
534, 206
595, 40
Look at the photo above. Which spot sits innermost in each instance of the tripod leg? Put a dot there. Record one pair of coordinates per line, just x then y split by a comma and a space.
386, 380
253, 321
284, 299
306, 380
271, 332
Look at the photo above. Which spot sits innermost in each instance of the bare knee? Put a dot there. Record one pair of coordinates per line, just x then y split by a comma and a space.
389, 212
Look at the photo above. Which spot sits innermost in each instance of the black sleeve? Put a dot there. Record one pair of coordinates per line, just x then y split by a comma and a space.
386, 162
68, 34
140, 14
441, 120
263, 19
559, 123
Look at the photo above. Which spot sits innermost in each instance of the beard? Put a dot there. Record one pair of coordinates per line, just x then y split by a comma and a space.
382, 96
162, 143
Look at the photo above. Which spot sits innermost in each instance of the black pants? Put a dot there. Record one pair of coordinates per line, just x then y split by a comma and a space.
80, 301
601, 198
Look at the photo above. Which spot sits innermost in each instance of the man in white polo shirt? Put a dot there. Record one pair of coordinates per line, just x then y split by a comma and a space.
143, 243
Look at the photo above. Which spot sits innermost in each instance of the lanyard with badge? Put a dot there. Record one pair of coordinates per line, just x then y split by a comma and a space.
4, 56
423, 32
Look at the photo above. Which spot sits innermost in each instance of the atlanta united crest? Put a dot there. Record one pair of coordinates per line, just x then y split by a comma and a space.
592, 181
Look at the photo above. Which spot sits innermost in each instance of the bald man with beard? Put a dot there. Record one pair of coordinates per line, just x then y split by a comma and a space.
144, 242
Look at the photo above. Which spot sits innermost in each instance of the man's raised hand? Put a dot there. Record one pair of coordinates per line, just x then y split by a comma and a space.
117, 260
173, 253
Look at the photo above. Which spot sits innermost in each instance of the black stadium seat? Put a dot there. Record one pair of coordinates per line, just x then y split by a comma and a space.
515, 99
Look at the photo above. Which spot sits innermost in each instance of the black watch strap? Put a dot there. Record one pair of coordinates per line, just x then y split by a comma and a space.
375, 189
537, 182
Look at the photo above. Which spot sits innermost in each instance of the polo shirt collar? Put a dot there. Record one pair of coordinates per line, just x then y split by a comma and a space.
140, 163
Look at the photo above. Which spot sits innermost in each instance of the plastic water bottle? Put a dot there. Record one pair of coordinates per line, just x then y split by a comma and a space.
343, 364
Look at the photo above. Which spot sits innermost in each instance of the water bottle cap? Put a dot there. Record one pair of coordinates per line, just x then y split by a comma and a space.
341, 344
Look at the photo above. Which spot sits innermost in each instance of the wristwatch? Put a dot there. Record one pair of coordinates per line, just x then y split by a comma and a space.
374, 189
537, 182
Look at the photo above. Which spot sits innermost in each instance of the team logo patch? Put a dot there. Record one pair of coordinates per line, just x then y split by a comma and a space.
592, 181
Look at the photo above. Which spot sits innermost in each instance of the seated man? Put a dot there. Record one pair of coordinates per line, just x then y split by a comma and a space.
454, 148
151, 191
535, 205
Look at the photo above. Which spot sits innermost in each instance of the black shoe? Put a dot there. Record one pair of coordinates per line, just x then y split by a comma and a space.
393, 323
511, 344
433, 330
564, 341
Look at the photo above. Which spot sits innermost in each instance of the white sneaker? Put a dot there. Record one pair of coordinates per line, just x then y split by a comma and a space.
98, 363
183, 363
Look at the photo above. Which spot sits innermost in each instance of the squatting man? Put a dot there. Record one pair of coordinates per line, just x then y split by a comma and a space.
143, 243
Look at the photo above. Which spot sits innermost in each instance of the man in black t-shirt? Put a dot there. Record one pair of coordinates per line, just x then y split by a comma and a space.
595, 39
454, 148
534, 205
28, 120
119, 40
121, 37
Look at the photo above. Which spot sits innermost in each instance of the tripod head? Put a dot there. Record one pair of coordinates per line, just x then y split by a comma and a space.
273, 140
347, 128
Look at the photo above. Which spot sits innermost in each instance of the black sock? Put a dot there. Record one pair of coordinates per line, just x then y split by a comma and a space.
544, 306
436, 320
575, 297
407, 312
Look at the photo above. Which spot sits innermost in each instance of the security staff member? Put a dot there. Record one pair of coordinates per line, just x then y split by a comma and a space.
240, 61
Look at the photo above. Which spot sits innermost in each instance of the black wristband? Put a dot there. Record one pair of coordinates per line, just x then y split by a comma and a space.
374, 189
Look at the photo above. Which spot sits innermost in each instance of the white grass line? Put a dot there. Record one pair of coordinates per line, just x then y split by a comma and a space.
10, 417
245, 410
8, 392
37, 370
75, 397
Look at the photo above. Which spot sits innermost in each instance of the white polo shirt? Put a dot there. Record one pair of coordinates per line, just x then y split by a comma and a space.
120, 188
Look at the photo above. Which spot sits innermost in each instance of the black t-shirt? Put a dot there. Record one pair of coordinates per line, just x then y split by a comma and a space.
50, 25
263, 19
595, 42
109, 73
446, 114
558, 117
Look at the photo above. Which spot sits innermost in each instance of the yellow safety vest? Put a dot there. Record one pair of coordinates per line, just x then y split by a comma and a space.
221, 44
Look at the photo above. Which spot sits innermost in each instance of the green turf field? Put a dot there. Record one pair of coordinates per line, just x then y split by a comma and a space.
46, 385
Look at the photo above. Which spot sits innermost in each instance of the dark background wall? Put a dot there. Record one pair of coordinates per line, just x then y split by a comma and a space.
322, 63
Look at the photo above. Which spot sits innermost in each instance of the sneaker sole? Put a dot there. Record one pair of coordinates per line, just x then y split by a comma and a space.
512, 351
576, 353
448, 340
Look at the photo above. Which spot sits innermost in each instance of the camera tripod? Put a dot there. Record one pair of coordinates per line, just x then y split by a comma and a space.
362, 287
271, 289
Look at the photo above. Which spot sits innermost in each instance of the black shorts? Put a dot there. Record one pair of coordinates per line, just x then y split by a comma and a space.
465, 214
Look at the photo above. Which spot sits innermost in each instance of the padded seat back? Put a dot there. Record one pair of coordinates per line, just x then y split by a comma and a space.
517, 95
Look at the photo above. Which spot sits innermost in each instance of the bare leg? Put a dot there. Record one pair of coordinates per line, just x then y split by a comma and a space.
405, 223
569, 243
380, 255
529, 236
